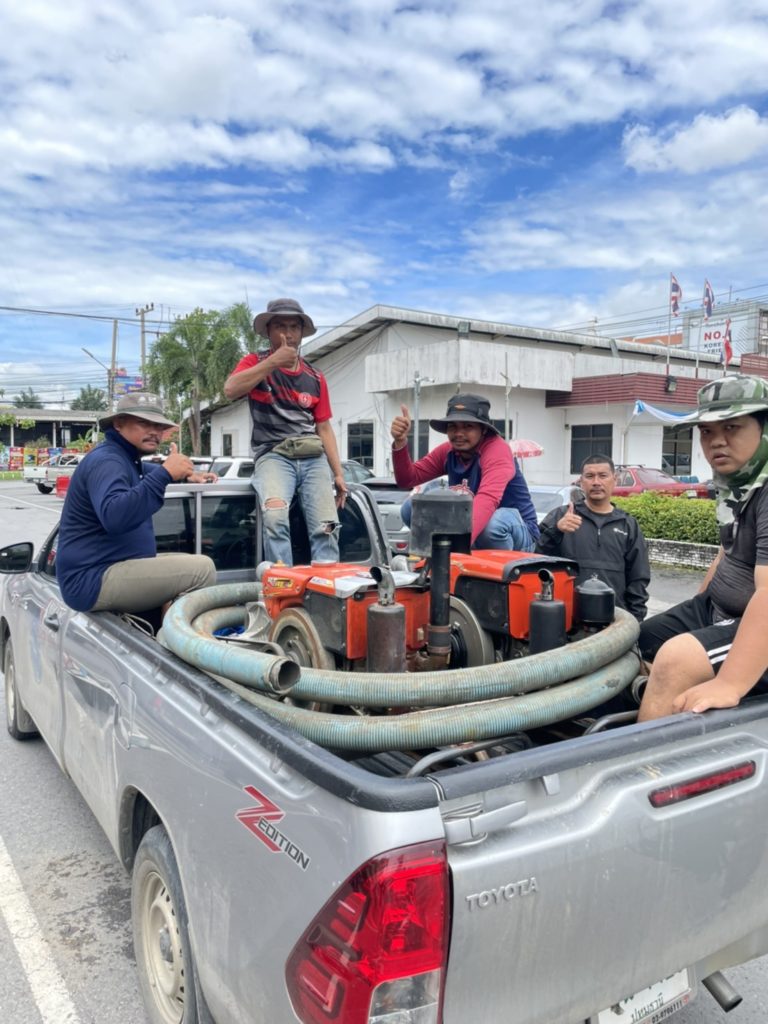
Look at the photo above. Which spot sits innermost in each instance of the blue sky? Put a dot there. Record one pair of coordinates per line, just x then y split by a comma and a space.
541, 164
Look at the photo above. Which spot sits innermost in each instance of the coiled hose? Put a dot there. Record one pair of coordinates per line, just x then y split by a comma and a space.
484, 701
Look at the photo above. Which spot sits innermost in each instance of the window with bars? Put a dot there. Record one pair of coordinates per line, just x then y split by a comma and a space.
677, 446
360, 442
590, 439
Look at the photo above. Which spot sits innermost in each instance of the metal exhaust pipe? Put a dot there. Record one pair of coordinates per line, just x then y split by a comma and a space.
722, 991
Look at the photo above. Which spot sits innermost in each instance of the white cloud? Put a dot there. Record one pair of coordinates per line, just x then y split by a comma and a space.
708, 142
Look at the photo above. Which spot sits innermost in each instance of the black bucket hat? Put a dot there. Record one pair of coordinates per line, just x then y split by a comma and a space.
466, 409
283, 307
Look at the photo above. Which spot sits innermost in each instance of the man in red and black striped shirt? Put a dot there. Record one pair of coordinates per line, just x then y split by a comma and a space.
288, 399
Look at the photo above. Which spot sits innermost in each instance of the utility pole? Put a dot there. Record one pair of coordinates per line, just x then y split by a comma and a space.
418, 380
113, 370
507, 389
141, 313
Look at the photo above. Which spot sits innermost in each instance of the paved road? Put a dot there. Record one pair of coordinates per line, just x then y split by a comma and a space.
65, 898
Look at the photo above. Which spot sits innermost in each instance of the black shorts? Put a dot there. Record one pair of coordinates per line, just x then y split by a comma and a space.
696, 618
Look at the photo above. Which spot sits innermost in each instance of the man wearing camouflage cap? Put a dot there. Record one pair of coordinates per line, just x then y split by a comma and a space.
712, 650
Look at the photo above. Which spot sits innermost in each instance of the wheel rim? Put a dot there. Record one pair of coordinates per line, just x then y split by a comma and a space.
161, 943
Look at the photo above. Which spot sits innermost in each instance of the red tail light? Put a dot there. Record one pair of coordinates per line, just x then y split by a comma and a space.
702, 784
377, 949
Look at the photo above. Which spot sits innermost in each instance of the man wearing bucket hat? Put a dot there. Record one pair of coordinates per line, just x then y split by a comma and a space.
503, 516
106, 558
712, 650
292, 437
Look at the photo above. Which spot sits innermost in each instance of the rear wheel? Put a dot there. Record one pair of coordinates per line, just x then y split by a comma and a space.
161, 936
45, 488
17, 720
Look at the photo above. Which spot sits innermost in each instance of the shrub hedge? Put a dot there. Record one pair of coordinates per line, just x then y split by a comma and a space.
662, 517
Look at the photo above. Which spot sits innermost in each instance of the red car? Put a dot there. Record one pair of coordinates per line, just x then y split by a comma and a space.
636, 479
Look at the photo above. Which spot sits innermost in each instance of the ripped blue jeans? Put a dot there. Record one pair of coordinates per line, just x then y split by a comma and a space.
276, 479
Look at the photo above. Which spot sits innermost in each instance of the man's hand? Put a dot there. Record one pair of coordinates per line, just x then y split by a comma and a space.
712, 694
400, 427
202, 478
570, 522
178, 465
283, 358
340, 486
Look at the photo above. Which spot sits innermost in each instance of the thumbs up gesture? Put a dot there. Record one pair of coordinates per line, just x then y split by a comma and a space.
570, 522
400, 426
178, 465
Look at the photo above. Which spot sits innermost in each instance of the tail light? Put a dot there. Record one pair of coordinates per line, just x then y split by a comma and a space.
377, 950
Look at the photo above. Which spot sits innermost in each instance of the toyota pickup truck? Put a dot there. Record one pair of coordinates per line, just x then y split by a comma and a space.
45, 474
577, 871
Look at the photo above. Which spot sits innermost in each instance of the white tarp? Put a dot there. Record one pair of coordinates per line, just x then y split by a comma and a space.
665, 415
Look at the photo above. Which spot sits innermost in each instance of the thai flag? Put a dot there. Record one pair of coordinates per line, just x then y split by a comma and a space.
727, 350
675, 295
708, 301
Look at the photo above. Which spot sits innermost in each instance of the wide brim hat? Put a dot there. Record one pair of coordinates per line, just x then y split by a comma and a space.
143, 406
283, 307
727, 398
466, 409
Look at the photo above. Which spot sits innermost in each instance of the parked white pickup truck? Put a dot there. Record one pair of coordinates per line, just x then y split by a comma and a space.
558, 872
45, 474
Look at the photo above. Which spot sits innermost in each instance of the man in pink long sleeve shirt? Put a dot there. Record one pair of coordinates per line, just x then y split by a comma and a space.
503, 516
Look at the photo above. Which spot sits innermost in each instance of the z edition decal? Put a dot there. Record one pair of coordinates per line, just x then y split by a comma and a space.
262, 819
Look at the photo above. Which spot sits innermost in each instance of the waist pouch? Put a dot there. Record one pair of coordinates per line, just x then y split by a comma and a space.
308, 446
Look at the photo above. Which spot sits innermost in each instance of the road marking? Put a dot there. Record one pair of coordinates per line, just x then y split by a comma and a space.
21, 501
48, 988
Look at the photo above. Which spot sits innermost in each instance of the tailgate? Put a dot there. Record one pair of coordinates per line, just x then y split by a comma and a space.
582, 892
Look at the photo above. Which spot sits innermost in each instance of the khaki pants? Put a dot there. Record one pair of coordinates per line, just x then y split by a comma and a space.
140, 584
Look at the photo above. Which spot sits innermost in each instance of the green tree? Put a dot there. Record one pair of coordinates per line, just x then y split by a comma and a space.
191, 361
28, 400
90, 398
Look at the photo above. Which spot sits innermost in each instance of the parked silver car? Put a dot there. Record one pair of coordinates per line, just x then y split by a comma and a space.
545, 497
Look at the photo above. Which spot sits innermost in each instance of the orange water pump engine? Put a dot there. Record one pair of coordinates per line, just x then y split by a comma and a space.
456, 608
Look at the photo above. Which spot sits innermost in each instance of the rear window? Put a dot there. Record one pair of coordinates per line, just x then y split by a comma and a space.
655, 476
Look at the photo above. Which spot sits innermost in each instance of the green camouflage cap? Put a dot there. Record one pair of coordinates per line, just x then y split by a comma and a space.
737, 395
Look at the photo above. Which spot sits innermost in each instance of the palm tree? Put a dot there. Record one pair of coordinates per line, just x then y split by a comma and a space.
90, 398
191, 361
28, 400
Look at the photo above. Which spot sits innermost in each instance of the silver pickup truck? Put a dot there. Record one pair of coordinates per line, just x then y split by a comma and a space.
560, 875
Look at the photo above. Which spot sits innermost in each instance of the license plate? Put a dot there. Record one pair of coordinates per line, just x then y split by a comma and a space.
653, 1005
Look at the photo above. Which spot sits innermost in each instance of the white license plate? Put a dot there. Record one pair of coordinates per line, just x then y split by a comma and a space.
653, 1005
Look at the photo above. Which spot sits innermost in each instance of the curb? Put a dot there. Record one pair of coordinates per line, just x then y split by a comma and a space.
683, 554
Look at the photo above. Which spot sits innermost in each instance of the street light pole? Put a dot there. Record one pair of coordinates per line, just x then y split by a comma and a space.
109, 375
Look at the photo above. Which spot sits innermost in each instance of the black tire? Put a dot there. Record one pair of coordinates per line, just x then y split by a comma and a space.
17, 719
45, 488
167, 973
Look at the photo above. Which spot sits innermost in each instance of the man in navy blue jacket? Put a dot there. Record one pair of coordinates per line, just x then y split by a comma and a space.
107, 557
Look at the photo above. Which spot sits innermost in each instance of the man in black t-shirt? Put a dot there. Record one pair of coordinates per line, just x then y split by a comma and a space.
712, 650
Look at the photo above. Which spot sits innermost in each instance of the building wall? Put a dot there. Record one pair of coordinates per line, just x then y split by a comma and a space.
370, 376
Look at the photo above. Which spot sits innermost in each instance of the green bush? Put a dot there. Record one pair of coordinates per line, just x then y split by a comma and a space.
664, 518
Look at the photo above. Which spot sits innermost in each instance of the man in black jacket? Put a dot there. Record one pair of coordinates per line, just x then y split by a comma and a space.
605, 541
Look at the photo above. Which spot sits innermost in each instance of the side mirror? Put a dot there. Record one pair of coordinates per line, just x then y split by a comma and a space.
16, 558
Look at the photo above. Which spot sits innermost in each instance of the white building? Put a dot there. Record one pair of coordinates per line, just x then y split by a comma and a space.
574, 394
